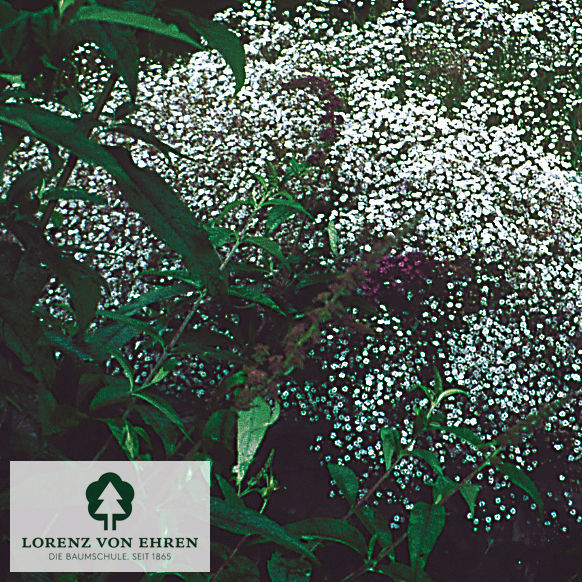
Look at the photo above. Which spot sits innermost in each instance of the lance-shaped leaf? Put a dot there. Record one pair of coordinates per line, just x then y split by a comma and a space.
22, 334
324, 528
424, 527
254, 295
73, 194
82, 282
20, 331
117, 391
134, 20
442, 487
164, 407
252, 425
469, 491
333, 236
220, 39
248, 522
346, 480
376, 524
161, 425
269, 245
58, 130
391, 445
519, 478
169, 218
137, 132
462, 432
428, 457
117, 43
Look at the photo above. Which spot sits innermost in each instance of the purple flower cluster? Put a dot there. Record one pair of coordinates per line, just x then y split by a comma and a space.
398, 275
323, 88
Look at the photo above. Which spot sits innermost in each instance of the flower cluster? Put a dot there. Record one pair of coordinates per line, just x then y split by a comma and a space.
403, 275
329, 121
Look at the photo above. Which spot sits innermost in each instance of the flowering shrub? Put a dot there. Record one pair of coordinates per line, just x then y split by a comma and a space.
446, 150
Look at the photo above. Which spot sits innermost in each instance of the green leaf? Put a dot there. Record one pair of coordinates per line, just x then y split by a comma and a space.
20, 331
375, 524
333, 238
163, 406
252, 425
424, 527
391, 445
64, 5
82, 282
220, 428
133, 20
269, 245
13, 35
428, 457
62, 131
277, 216
141, 326
283, 569
125, 366
239, 569
25, 183
448, 393
70, 193
166, 369
54, 417
229, 493
125, 435
442, 487
324, 528
111, 394
346, 480
438, 380
222, 40
110, 338
461, 432
469, 493
230, 205
11, 139
117, 43
178, 274
161, 425
220, 235
519, 478
248, 522
169, 218
255, 296
154, 296
74, 346
140, 133
290, 204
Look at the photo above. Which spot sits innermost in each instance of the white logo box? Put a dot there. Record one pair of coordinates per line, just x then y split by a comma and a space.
166, 527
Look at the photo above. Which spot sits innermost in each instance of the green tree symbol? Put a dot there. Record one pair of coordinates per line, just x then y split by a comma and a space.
109, 499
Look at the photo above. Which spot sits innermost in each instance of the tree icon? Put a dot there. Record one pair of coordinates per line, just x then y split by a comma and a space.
109, 499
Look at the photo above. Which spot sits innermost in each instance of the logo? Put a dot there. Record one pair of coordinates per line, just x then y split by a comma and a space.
109, 500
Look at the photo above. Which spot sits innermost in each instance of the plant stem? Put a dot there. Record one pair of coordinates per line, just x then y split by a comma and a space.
178, 334
515, 429
230, 556
72, 160
236, 549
